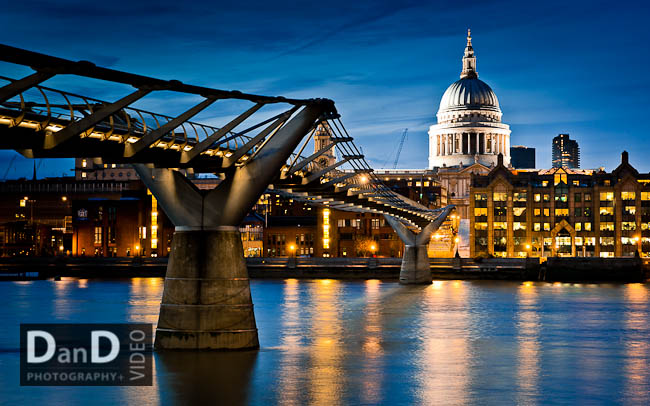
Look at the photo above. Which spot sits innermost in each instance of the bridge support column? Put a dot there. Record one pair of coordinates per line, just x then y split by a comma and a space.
207, 302
416, 268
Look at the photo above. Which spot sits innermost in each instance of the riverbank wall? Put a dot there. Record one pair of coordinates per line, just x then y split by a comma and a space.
531, 269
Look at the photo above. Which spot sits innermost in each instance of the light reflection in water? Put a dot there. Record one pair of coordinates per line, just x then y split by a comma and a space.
444, 357
144, 300
637, 347
372, 365
290, 341
325, 370
528, 326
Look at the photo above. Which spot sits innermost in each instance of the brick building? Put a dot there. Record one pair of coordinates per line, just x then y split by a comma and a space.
561, 212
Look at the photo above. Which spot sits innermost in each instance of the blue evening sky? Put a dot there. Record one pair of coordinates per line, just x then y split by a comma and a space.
556, 66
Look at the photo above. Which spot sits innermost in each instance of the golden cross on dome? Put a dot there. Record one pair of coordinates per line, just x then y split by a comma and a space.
469, 37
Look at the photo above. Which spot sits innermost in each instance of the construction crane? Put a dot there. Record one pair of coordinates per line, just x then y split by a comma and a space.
399, 149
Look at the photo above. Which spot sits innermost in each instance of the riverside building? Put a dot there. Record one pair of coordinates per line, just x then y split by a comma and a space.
560, 212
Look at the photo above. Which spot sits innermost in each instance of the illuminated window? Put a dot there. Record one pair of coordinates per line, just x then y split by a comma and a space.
480, 226
499, 197
520, 197
587, 211
628, 226
547, 226
547, 198
537, 226
537, 197
645, 196
98, 235
578, 226
606, 211
326, 228
84, 163
83, 174
562, 212
607, 196
375, 224
547, 212
537, 212
587, 226
480, 211
607, 241
518, 226
500, 225
587, 197
519, 211
628, 195
480, 196
606, 226
630, 210
576, 183
578, 240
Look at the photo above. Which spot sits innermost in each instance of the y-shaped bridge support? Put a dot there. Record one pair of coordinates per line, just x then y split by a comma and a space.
416, 268
206, 301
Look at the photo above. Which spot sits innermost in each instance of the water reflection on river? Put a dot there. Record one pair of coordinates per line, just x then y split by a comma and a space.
328, 342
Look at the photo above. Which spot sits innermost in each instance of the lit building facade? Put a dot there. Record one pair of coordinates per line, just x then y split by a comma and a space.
469, 128
561, 212
566, 152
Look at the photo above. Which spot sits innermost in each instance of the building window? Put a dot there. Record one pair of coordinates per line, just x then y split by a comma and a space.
587, 197
547, 212
606, 226
587, 211
628, 195
537, 212
480, 211
587, 226
538, 197
547, 197
340, 223
500, 225
628, 226
578, 226
547, 226
645, 196
499, 196
520, 197
84, 163
629, 210
480, 226
577, 197
577, 212
606, 196
518, 226
562, 212
480, 196
519, 211
537, 226
98, 235
375, 224
606, 211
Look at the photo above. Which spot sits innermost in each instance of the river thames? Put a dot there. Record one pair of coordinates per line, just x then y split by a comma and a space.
329, 342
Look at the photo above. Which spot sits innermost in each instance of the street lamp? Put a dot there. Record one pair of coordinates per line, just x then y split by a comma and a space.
373, 248
292, 249
527, 250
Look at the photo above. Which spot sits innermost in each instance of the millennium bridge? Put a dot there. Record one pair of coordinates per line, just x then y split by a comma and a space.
206, 301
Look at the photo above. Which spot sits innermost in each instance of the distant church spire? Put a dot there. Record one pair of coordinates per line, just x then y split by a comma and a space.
469, 60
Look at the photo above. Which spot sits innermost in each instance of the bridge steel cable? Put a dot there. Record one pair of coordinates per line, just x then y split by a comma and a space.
206, 301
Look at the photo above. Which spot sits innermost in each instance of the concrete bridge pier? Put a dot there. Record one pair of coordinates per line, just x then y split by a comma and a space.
206, 301
416, 268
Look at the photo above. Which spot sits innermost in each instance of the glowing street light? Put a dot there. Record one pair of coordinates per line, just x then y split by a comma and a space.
292, 249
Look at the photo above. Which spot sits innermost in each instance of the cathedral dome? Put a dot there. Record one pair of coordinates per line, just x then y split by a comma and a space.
469, 93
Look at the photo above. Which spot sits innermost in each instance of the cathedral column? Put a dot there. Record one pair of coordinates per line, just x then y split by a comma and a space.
478, 148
